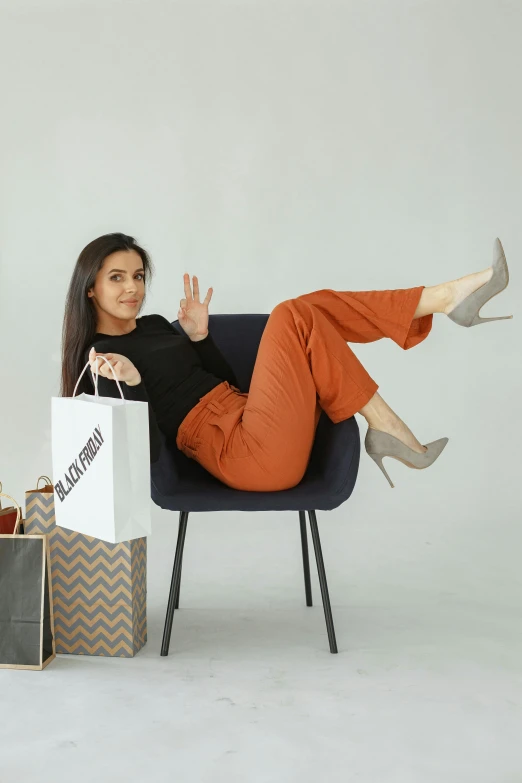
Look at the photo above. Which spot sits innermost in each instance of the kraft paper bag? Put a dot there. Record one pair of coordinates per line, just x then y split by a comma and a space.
26, 615
99, 590
101, 465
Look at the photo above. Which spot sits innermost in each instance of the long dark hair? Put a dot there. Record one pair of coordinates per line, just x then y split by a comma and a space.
80, 322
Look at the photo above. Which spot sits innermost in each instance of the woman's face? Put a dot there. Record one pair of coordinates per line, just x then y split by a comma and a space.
119, 289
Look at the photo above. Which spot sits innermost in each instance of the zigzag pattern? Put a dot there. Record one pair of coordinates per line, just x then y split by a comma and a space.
100, 647
68, 608
103, 574
40, 504
139, 589
99, 589
89, 597
74, 625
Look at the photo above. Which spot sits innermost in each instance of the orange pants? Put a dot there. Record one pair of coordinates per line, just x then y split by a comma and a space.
262, 440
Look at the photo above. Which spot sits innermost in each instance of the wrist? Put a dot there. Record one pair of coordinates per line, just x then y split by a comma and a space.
198, 338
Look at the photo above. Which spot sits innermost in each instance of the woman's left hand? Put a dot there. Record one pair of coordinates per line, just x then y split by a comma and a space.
193, 314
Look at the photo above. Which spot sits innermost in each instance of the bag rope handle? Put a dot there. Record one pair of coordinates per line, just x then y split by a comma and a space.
96, 378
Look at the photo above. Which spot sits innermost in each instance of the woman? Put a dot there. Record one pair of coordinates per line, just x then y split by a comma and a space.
260, 441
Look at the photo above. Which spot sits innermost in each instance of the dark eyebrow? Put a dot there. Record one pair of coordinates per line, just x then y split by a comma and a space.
124, 270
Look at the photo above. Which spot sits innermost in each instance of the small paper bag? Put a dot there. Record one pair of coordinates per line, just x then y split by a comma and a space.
101, 465
26, 615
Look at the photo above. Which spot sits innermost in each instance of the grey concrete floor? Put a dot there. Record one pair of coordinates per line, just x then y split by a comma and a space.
427, 686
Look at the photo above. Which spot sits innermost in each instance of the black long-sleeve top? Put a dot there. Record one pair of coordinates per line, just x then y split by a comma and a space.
175, 372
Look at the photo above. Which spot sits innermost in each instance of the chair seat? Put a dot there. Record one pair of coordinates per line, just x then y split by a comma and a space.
182, 484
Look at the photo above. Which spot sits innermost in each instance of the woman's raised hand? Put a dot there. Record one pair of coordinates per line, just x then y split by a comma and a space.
123, 368
193, 314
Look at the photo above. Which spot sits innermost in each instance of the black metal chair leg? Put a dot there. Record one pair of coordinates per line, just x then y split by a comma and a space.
322, 581
174, 582
306, 560
176, 597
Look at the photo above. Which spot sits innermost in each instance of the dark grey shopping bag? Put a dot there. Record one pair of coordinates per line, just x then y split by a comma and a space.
26, 618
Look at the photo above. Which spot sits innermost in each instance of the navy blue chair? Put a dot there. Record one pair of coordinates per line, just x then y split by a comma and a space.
182, 484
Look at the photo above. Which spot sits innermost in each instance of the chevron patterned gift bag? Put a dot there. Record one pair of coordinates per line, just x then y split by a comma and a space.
99, 589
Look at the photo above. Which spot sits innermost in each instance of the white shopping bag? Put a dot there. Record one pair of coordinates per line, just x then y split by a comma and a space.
101, 465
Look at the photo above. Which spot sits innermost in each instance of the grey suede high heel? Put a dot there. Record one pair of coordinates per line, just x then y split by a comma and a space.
466, 313
380, 444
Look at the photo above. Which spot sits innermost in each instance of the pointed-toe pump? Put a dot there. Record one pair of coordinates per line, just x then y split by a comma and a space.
466, 313
380, 444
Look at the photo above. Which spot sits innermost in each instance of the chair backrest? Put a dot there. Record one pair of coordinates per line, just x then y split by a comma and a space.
237, 335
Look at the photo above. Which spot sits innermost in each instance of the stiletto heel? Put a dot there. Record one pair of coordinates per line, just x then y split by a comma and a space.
378, 461
478, 320
380, 444
466, 313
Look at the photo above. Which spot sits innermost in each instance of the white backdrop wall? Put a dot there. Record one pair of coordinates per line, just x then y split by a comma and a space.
273, 148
